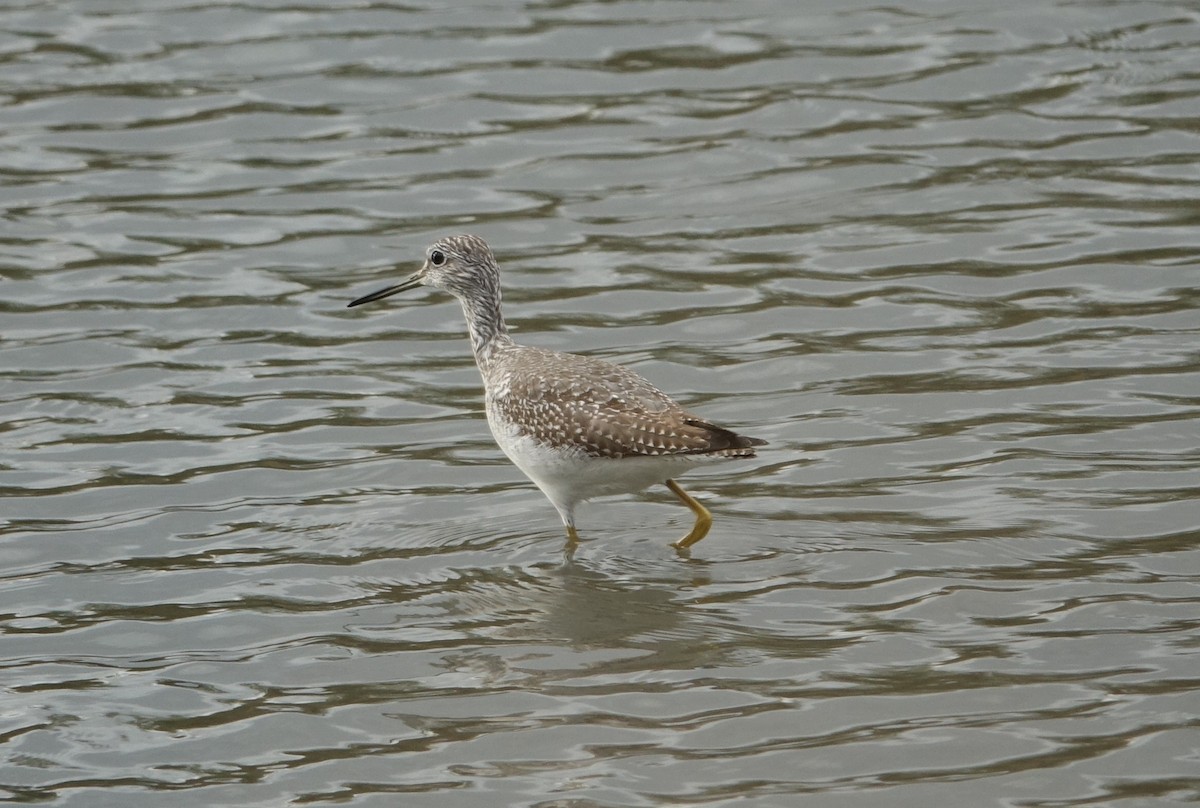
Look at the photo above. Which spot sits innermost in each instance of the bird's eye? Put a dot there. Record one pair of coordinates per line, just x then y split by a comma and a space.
437, 258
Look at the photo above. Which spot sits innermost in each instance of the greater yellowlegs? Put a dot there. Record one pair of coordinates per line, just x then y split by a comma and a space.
577, 427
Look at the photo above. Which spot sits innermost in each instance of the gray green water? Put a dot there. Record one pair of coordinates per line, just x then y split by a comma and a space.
257, 549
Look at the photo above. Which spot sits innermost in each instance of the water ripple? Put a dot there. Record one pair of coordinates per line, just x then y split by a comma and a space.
260, 549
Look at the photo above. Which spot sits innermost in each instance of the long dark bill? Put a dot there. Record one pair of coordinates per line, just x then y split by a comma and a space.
403, 286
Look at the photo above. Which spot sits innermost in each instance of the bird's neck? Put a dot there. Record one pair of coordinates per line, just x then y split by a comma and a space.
485, 324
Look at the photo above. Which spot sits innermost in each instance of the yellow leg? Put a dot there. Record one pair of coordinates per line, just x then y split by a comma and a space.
572, 544
703, 517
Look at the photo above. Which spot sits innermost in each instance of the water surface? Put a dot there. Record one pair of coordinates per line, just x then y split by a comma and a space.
259, 549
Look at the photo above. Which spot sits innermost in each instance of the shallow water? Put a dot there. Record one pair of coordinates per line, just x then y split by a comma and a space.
259, 549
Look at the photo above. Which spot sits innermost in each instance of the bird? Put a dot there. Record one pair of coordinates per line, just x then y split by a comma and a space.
577, 426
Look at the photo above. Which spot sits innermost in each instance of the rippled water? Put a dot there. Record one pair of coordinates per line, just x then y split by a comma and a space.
259, 549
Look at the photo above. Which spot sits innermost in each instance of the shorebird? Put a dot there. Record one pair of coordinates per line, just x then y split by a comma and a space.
578, 427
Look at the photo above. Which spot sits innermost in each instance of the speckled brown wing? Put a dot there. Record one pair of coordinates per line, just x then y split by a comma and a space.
603, 409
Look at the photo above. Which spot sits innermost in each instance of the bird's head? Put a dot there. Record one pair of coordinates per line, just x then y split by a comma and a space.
461, 265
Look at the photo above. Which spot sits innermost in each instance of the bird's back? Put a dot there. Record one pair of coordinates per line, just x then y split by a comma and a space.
569, 401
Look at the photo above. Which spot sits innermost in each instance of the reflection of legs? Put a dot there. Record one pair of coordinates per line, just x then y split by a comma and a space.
703, 517
572, 535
